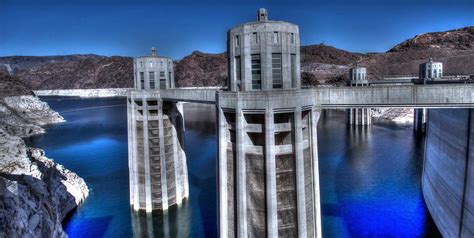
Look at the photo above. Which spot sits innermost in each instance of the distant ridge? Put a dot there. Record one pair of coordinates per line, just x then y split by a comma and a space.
320, 64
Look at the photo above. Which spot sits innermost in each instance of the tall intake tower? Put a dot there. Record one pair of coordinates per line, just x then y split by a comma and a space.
157, 163
267, 151
359, 116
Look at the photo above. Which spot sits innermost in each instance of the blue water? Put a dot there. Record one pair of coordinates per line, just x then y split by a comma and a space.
370, 179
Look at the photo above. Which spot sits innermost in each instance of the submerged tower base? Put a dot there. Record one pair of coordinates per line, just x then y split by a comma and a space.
268, 166
157, 163
359, 116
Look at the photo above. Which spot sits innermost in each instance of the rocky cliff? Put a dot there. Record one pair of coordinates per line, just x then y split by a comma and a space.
70, 71
35, 193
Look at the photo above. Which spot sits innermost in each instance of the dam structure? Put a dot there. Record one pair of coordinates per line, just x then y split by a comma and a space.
267, 148
157, 163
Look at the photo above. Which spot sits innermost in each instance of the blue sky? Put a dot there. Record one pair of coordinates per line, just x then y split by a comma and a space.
176, 28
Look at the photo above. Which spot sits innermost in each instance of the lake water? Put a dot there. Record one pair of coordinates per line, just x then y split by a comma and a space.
370, 178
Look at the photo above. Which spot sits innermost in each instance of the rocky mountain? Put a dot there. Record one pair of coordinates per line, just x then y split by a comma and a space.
12, 86
201, 69
459, 39
70, 71
320, 64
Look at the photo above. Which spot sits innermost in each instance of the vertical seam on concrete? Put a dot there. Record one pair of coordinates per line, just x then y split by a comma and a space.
300, 188
176, 160
164, 185
222, 171
270, 170
133, 147
148, 206
466, 171
241, 173
316, 192
182, 154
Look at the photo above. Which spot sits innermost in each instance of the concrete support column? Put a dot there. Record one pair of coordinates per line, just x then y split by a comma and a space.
132, 159
241, 174
419, 122
181, 143
222, 171
315, 113
164, 185
270, 174
300, 186
148, 204
176, 155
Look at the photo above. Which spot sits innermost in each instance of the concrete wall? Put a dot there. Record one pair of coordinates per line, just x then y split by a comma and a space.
439, 95
448, 171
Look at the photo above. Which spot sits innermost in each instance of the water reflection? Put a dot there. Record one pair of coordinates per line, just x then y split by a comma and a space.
175, 222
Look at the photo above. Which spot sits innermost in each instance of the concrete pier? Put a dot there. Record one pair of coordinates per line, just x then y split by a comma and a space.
419, 120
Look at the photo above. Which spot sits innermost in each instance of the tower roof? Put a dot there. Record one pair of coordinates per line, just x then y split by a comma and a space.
262, 14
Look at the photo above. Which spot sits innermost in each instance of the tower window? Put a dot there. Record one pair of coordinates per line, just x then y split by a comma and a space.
276, 71
256, 72
141, 64
152, 79
237, 41
162, 80
292, 38
238, 72
275, 37
293, 70
255, 38
169, 79
151, 63
142, 80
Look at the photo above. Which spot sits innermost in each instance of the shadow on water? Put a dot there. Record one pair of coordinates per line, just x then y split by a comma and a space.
371, 182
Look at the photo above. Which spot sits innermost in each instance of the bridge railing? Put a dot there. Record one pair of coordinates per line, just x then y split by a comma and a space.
436, 96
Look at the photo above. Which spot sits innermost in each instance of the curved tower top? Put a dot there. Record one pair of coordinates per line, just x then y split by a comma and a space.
153, 71
262, 14
431, 70
264, 55
358, 76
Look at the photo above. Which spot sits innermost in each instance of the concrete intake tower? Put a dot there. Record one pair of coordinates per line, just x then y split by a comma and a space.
157, 164
268, 177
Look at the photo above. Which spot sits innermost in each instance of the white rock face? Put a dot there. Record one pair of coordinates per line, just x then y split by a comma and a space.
85, 93
24, 115
36, 193
398, 115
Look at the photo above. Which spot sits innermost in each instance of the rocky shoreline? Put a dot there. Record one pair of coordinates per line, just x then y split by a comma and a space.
36, 193
397, 115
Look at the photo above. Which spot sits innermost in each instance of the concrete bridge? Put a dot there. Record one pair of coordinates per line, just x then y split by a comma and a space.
414, 96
